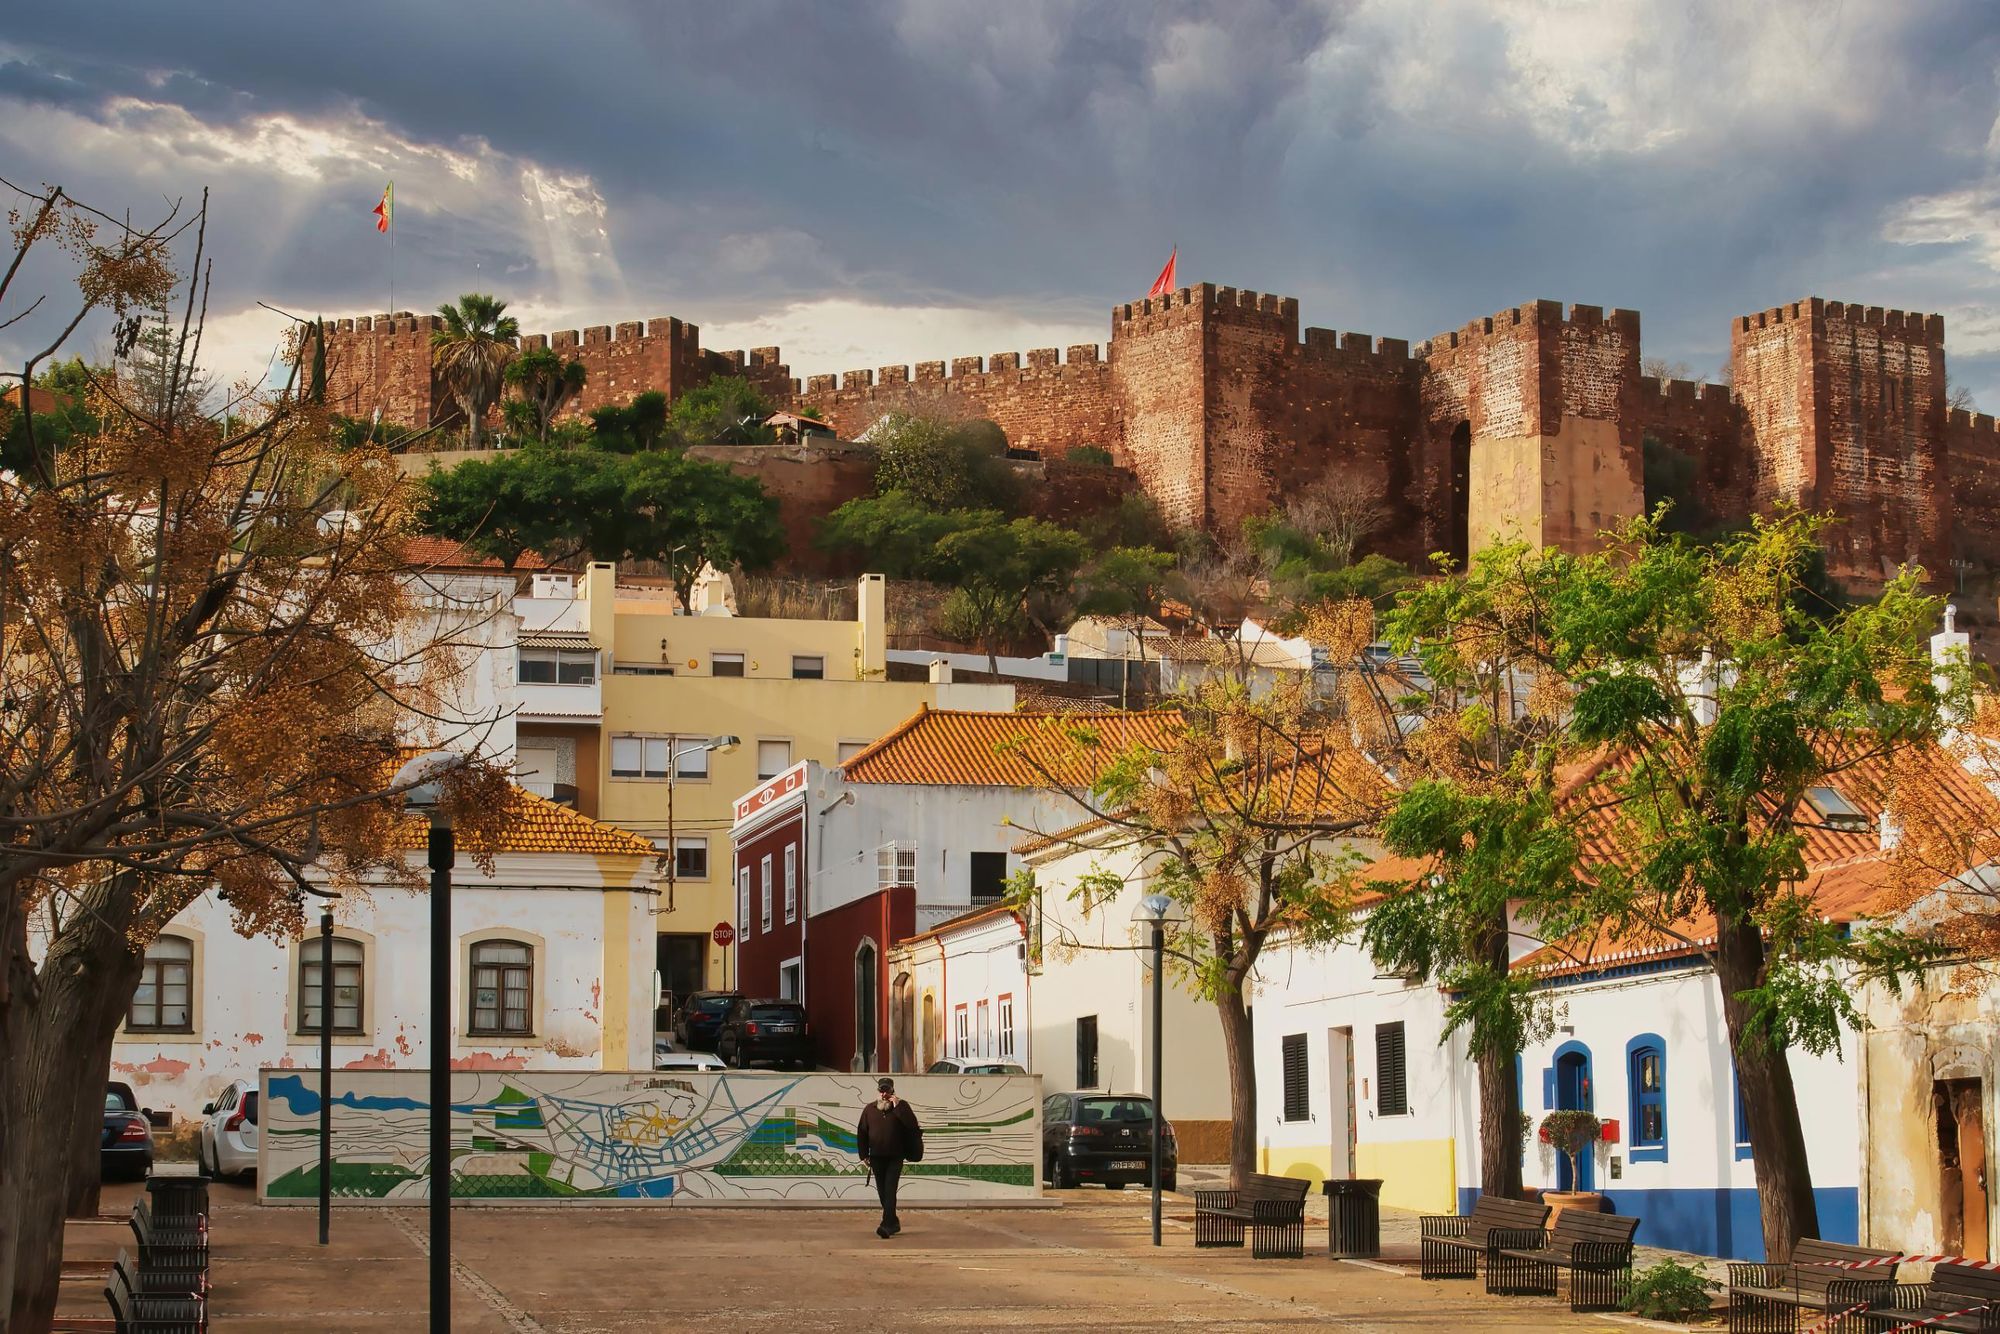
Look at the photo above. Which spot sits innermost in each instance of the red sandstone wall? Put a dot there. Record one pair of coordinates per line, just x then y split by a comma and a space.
809, 484
1844, 411
1158, 354
1044, 402
1973, 445
1704, 422
384, 360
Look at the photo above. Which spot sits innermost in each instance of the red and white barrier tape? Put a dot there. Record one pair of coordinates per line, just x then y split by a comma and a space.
1836, 1318
1876, 1262
1932, 1320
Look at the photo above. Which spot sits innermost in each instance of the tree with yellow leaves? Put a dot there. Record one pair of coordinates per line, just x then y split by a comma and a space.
201, 680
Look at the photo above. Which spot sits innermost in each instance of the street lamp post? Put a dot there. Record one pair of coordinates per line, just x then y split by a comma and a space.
720, 745
325, 1072
1156, 911
422, 793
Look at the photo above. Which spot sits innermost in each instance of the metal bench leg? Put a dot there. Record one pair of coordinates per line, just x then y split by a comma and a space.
1214, 1230
1440, 1261
1599, 1289
1750, 1314
1513, 1276
1277, 1241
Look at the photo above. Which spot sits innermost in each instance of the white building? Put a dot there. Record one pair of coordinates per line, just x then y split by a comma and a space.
966, 981
552, 965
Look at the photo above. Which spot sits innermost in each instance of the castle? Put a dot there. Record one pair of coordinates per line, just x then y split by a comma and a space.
1528, 423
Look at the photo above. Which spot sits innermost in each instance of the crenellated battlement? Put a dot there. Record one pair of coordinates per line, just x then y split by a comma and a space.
1510, 322
1334, 348
1965, 420
1926, 326
1208, 302
1686, 393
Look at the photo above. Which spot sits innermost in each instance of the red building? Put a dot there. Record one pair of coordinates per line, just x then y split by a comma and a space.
830, 960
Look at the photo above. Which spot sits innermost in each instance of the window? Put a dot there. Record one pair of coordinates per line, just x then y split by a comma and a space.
503, 976
642, 669
765, 916
849, 749
961, 1033
649, 756
725, 664
1392, 1076
347, 978
791, 882
773, 758
984, 1029
1646, 1069
742, 900
808, 669
895, 864
1836, 811
989, 876
552, 667
163, 1002
1742, 1121
1298, 1094
1086, 1052
1007, 1025
865, 1002
691, 856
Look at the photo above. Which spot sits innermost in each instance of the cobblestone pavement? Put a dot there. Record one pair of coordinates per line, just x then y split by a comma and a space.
1087, 1264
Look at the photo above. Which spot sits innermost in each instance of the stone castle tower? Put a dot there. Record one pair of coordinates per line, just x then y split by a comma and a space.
1530, 423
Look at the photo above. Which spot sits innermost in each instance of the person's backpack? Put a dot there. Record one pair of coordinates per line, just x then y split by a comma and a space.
913, 1139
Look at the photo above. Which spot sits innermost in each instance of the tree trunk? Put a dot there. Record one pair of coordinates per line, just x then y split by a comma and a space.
53, 1080
1237, 1047
1499, 1088
1770, 1104
109, 1004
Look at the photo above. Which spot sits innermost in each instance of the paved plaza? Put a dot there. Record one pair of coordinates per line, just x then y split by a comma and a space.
1086, 1264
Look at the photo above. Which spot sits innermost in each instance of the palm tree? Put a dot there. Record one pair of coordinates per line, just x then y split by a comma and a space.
470, 352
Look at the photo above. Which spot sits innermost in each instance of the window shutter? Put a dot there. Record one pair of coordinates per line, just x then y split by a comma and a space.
1392, 1087
1298, 1096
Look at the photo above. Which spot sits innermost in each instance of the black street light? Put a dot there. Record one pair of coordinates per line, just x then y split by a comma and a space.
1156, 911
325, 1071
419, 777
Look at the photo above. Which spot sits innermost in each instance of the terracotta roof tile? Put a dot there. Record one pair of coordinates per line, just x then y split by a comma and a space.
443, 553
953, 747
536, 824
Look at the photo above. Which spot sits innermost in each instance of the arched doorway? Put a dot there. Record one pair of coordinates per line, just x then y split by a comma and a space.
903, 1023
1573, 1093
866, 1006
930, 1030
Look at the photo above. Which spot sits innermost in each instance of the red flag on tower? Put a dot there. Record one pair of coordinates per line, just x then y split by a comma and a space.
386, 209
1165, 282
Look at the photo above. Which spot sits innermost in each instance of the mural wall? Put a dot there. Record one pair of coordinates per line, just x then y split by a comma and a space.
643, 1137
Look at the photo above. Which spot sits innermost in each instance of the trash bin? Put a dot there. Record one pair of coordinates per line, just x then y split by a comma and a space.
178, 1197
1353, 1218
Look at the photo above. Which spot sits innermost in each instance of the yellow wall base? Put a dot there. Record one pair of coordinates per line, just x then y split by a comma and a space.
1415, 1174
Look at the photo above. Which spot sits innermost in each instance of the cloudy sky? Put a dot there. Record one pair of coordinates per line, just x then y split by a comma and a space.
894, 180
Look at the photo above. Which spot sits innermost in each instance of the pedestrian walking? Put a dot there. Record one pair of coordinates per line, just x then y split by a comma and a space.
887, 1136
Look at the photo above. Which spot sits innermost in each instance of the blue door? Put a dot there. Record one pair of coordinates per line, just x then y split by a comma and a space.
1573, 1093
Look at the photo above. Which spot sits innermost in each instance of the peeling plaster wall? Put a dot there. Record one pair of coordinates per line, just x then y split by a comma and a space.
247, 1010
1933, 1031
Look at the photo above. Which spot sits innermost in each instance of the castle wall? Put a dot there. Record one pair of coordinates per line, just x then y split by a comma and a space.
384, 361
809, 482
1844, 411
1045, 402
1158, 352
1704, 422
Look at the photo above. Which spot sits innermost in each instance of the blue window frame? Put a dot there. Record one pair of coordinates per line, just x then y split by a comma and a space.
1646, 1075
1742, 1122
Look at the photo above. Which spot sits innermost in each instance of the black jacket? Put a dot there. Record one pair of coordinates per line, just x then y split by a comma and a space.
889, 1134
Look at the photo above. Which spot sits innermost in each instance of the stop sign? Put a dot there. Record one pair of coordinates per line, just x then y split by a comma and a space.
724, 934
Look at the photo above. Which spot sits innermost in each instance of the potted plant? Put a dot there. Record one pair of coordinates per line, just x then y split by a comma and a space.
1572, 1132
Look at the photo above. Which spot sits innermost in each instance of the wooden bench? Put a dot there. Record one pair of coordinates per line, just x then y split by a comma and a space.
1767, 1298
1960, 1298
162, 1247
1450, 1245
1596, 1250
1273, 1208
152, 1313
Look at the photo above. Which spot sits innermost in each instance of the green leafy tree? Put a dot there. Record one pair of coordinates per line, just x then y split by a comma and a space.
728, 410
1476, 827
545, 383
470, 350
1125, 584
552, 502
688, 513
896, 532
942, 462
998, 569
1728, 700
635, 427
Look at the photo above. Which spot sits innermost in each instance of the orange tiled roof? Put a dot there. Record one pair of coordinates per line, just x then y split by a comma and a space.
536, 824
443, 553
955, 747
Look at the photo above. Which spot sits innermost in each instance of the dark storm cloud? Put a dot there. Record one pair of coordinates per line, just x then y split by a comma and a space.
1402, 168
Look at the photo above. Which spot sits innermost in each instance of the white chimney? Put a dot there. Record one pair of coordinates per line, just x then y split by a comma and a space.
940, 671
1951, 652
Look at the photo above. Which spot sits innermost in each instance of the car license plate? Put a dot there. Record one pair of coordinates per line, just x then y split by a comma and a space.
781, 1028
1130, 1165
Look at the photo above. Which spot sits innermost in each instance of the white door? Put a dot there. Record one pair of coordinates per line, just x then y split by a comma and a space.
1340, 1099
788, 982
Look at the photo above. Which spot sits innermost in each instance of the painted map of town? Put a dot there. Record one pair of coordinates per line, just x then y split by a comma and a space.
738, 1136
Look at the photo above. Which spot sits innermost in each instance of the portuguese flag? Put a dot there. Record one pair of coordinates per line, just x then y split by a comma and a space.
386, 208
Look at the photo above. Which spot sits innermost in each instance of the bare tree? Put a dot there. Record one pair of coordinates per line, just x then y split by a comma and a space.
1341, 510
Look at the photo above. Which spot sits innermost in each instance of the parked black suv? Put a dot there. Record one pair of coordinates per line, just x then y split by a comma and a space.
1104, 1137
765, 1030
700, 1016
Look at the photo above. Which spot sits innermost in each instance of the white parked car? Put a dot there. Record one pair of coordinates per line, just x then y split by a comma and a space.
228, 1142
688, 1062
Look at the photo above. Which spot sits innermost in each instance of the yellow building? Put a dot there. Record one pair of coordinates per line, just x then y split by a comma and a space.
618, 692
